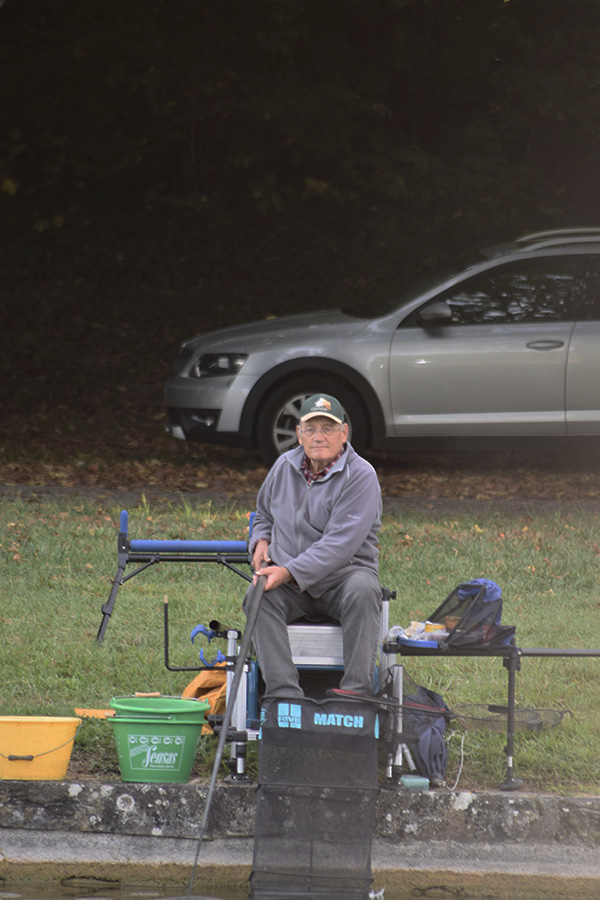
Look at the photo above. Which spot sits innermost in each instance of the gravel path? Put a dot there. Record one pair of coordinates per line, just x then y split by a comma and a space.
130, 498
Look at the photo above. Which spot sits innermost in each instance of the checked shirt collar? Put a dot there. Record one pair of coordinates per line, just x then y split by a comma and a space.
310, 477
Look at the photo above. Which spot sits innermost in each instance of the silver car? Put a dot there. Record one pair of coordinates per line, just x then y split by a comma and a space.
508, 345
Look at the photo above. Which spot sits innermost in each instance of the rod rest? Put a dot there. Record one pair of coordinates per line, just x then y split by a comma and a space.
180, 546
175, 546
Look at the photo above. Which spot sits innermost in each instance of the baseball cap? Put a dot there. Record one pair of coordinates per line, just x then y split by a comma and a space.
322, 405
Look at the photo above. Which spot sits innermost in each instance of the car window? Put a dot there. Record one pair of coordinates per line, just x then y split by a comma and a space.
532, 291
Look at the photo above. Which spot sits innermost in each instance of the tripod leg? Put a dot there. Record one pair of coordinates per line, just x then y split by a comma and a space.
512, 663
122, 560
109, 605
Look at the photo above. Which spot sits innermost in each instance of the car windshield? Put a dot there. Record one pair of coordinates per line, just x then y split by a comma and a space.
391, 290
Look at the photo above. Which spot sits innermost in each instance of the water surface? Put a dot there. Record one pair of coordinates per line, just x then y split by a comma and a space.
499, 889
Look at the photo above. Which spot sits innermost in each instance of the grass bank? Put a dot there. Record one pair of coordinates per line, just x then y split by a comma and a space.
58, 558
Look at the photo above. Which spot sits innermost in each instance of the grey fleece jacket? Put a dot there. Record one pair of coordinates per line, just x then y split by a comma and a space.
319, 531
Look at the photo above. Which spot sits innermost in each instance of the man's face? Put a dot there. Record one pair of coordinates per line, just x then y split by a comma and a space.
322, 439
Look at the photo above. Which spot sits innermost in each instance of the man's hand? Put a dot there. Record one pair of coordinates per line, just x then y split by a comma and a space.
276, 575
260, 557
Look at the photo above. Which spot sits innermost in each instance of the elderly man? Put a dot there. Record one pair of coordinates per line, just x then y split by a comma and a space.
315, 540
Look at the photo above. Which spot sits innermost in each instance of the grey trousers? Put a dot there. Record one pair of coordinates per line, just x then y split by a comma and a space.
355, 602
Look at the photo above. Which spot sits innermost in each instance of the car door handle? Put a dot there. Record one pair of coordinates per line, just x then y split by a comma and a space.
545, 345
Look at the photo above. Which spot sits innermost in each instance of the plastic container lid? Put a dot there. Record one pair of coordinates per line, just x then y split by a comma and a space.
411, 642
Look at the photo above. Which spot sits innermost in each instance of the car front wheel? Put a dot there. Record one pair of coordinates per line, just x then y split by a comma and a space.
280, 413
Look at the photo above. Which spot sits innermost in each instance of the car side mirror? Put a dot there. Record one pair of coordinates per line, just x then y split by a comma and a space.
435, 314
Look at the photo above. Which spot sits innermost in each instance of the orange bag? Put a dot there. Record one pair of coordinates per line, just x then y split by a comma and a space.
211, 685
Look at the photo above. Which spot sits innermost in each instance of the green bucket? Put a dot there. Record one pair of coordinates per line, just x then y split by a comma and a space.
158, 748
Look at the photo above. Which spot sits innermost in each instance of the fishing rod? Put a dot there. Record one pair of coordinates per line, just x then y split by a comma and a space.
255, 596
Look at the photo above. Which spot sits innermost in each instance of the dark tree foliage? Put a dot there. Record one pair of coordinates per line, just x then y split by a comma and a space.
286, 101
457, 104
237, 159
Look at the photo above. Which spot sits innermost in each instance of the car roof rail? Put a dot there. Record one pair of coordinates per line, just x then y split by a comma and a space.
559, 233
562, 242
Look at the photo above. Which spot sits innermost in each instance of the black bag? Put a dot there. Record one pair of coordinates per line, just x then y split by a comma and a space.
424, 715
471, 614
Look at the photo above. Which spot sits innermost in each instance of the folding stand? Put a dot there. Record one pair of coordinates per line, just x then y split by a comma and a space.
151, 552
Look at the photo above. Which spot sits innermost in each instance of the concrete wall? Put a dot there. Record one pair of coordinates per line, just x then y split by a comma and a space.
85, 827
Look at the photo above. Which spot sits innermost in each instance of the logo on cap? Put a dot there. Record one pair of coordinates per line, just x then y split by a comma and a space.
322, 405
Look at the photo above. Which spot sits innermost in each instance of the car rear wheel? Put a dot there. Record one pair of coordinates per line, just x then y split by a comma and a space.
280, 413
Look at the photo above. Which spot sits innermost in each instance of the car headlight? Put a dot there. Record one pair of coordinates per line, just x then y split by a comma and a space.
210, 364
